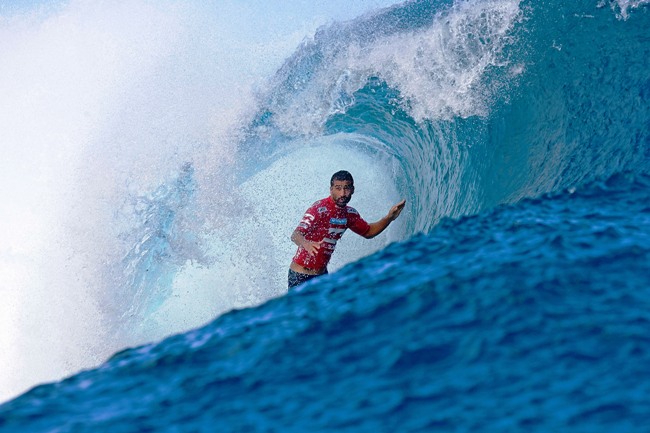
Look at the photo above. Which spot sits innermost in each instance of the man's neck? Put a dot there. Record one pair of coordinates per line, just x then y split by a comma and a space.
336, 204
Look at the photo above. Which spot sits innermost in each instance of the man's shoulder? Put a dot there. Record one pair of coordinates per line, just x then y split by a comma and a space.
351, 210
320, 206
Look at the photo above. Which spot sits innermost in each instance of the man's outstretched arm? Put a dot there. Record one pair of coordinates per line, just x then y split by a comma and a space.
380, 226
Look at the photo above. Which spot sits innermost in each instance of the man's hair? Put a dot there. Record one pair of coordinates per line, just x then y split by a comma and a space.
342, 175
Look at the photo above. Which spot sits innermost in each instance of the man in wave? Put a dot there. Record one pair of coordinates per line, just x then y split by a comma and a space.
323, 225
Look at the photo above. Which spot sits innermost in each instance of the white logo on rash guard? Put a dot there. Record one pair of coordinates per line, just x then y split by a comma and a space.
334, 231
306, 220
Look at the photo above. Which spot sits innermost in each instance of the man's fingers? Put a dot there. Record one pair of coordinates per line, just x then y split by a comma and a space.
397, 209
314, 247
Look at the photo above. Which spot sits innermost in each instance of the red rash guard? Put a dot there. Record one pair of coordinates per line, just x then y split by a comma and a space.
324, 220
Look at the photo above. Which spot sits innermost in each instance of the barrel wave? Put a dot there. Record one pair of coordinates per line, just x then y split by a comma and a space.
511, 295
480, 104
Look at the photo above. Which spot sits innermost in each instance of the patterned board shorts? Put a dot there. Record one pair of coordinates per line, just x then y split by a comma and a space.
297, 278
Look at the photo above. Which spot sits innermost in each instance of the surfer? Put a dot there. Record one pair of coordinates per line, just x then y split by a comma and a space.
323, 225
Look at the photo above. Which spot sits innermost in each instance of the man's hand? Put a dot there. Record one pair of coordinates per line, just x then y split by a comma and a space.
380, 226
394, 212
312, 247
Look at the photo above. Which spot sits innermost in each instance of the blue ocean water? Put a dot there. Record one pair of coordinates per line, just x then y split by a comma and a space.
512, 295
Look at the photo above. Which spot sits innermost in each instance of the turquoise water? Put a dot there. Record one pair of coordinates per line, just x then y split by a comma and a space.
512, 294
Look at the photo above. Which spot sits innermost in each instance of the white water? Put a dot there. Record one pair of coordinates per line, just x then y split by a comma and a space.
105, 100
251, 253
440, 70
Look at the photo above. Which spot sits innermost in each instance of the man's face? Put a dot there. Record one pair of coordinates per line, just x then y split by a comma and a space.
341, 191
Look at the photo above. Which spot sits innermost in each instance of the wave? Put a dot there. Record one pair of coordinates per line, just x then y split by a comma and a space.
164, 220
480, 103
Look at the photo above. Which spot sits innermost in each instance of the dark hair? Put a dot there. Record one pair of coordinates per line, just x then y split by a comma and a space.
342, 175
